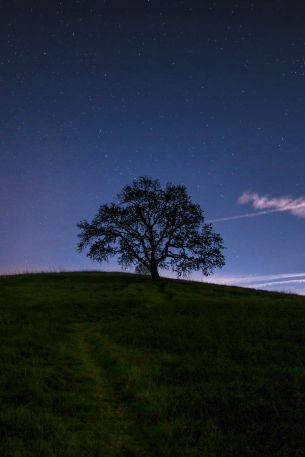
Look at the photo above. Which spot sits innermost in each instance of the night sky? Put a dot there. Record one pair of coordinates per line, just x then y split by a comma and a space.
209, 94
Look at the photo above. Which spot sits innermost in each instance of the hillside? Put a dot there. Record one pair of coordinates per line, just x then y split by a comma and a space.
115, 365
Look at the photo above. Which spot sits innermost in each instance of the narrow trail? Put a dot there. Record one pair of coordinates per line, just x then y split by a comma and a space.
116, 427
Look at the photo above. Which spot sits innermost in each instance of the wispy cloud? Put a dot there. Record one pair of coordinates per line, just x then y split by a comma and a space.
295, 206
267, 205
276, 283
270, 281
253, 279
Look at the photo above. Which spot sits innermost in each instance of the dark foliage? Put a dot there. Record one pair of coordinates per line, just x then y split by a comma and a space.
141, 269
155, 227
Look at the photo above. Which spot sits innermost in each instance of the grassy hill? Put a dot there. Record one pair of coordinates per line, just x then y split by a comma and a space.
101, 364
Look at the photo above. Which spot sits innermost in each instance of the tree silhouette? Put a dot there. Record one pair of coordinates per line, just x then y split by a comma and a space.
141, 269
155, 227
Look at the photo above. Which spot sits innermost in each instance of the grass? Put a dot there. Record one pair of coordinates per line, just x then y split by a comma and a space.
115, 365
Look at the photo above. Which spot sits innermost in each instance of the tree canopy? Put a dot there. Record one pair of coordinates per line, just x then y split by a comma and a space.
159, 228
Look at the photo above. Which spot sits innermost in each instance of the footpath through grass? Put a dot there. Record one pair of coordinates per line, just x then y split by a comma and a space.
114, 365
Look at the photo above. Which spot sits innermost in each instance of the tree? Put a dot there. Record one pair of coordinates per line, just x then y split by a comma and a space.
155, 227
141, 269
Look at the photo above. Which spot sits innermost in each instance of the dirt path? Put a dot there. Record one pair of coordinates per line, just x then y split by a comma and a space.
117, 429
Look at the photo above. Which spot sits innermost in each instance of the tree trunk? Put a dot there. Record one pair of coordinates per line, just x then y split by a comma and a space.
154, 271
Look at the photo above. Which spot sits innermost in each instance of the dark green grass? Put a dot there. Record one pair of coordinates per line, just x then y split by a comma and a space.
114, 365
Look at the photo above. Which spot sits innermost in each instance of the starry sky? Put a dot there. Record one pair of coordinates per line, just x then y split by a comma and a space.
210, 94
